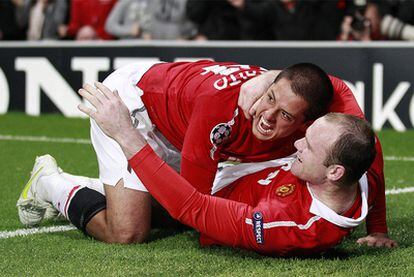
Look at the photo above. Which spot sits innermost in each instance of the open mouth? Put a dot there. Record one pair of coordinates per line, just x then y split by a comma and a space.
265, 127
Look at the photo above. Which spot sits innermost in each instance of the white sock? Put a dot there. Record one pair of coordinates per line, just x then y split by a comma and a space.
92, 183
58, 191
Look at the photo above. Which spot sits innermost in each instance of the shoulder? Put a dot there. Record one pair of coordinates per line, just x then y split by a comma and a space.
344, 100
337, 83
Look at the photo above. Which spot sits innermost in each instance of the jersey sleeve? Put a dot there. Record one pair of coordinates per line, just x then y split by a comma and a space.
207, 130
227, 222
376, 218
344, 100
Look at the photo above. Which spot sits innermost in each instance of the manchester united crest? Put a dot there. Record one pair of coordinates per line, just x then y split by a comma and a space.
285, 190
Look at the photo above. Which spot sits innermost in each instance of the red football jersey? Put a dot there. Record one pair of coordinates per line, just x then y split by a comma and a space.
280, 217
194, 105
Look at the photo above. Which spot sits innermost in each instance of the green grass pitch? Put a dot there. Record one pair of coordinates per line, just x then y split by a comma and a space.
70, 253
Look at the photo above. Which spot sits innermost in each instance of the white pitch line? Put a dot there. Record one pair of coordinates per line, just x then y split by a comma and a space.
394, 158
33, 231
399, 191
64, 228
45, 139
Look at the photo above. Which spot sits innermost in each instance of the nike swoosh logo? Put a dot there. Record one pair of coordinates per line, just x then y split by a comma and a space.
29, 183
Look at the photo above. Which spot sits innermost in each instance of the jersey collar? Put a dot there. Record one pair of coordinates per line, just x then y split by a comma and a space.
320, 209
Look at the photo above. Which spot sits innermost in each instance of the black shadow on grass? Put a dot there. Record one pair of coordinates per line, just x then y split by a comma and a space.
156, 234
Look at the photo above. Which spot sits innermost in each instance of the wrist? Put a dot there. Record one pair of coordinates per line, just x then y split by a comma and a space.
131, 142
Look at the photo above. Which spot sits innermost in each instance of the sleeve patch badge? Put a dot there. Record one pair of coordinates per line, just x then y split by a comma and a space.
220, 133
258, 227
285, 190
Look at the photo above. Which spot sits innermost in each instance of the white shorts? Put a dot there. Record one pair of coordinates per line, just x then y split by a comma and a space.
113, 165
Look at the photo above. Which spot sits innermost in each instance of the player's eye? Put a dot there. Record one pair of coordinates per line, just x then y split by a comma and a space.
270, 98
286, 116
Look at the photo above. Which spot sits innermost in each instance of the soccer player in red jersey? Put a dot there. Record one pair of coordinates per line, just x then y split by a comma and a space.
344, 102
306, 206
194, 109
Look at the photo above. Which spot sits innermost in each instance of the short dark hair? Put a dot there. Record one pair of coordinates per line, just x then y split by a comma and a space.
311, 83
354, 149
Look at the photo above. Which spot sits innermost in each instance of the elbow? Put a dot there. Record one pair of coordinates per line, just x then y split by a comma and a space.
177, 215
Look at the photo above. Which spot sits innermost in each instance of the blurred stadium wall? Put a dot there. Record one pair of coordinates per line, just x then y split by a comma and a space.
44, 76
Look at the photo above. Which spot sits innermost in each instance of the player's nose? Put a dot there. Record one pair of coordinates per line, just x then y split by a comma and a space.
270, 115
299, 144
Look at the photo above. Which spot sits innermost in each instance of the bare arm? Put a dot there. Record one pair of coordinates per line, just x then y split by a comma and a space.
252, 90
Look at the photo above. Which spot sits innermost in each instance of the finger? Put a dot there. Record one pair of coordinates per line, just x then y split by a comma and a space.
253, 109
391, 244
91, 98
95, 92
361, 241
88, 111
105, 90
370, 243
116, 93
379, 243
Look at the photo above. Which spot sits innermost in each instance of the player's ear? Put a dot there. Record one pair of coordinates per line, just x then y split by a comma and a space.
335, 172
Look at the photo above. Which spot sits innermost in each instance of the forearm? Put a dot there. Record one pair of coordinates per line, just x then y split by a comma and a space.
376, 219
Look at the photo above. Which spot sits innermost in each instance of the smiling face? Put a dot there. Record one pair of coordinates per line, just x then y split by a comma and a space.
313, 150
279, 113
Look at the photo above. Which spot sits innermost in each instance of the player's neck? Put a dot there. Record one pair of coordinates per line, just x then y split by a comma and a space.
337, 198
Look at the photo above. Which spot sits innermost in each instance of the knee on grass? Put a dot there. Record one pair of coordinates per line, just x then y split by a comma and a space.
127, 235
86, 212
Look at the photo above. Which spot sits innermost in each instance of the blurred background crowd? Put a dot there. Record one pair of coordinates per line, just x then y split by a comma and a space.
273, 20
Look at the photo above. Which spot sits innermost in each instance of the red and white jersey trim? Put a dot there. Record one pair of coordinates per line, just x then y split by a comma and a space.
275, 224
318, 208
